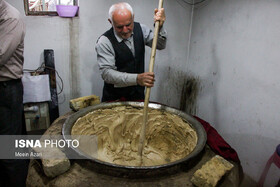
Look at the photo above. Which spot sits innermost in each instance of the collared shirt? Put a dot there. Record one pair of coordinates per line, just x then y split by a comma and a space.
12, 31
106, 56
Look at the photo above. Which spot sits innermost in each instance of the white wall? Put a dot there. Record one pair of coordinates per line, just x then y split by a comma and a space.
235, 52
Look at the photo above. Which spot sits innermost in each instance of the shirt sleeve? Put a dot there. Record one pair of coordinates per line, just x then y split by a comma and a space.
107, 67
11, 34
148, 37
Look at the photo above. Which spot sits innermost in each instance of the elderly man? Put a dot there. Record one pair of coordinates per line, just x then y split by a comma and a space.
121, 54
12, 31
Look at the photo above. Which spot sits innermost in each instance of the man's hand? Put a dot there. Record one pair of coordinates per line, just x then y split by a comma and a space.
159, 16
146, 79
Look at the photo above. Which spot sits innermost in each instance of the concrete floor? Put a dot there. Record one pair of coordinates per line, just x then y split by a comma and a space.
248, 182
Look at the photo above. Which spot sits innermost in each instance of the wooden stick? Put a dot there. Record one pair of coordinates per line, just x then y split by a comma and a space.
148, 90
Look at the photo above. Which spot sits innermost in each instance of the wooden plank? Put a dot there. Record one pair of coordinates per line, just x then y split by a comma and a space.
50, 69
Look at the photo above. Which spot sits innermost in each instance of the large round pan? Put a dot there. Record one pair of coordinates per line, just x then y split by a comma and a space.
137, 171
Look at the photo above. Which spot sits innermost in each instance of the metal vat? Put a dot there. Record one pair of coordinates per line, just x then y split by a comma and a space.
138, 171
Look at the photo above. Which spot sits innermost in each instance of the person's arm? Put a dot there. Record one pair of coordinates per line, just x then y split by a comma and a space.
162, 35
11, 36
107, 67
148, 37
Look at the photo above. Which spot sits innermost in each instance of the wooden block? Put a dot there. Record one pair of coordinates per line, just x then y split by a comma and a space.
54, 161
211, 172
53, 168
82, 102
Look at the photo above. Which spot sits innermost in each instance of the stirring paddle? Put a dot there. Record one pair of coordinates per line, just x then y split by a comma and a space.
148, 90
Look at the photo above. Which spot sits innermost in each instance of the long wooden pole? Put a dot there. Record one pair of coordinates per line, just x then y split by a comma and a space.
148, 90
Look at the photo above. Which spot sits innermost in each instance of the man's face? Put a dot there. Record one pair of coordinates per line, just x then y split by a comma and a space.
123, 23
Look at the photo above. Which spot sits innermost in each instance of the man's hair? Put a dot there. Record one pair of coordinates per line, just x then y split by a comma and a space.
119, 6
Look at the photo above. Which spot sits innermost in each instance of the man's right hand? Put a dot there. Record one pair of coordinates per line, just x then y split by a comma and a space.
146, 79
